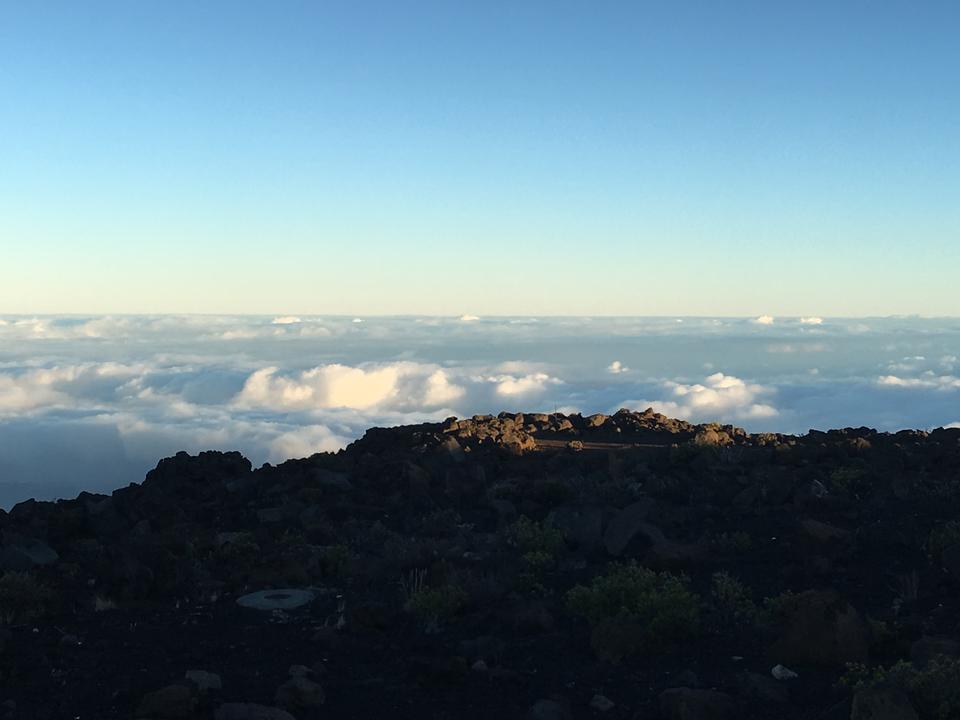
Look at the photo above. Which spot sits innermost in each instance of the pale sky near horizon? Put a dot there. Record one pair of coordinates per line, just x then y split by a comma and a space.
623, 158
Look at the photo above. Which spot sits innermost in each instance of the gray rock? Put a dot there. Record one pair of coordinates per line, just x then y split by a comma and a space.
250, 711
204, 680
601, 703
549, 710
26, 554
299, 693
280, 599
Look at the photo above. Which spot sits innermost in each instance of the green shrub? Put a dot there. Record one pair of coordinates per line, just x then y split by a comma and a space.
934, 691
22, 598
631, 607
779, 607
732, 602
539, 543
434, 606
848, 480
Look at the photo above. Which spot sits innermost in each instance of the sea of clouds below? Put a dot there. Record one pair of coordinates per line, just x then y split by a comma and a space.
93, 402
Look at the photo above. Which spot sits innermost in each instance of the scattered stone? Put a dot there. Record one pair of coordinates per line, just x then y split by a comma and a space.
783, 673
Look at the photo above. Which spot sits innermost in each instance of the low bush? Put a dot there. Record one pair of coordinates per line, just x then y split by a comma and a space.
631, 607
732, 602
934, 690
22, 598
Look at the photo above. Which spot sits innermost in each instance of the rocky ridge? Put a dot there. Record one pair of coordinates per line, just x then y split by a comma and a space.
520, 565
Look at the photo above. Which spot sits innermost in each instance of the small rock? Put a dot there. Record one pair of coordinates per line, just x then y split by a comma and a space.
479, 666
549, 710
204, 680
298, 693
782, 673
602, 703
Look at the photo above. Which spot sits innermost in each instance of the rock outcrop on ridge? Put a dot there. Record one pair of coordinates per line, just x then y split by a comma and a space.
518, 566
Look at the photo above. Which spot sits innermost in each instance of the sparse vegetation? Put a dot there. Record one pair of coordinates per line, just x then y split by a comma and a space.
538, 543
432, 606
732, 602
934, 690
631, 607
22, 598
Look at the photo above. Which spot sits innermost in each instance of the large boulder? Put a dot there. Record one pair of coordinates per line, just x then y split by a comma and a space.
628, 524
25, 554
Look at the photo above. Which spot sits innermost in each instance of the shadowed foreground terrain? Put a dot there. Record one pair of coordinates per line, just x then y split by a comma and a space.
520, 566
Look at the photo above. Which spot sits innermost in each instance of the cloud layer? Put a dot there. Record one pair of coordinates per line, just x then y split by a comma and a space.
94, 402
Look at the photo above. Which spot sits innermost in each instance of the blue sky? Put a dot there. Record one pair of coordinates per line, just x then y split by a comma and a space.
736, 158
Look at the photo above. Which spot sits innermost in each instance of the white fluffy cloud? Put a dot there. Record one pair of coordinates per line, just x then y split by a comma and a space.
719, 397
511, 386
811, 321
341, 386
617, 367
927, 380
763, 320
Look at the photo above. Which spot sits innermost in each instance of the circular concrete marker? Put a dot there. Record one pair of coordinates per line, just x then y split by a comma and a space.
282, 599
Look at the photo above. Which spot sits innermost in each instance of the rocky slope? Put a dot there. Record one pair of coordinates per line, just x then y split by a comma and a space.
519, 566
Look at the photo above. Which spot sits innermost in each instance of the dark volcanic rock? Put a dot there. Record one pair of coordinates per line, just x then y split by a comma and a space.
478, 567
